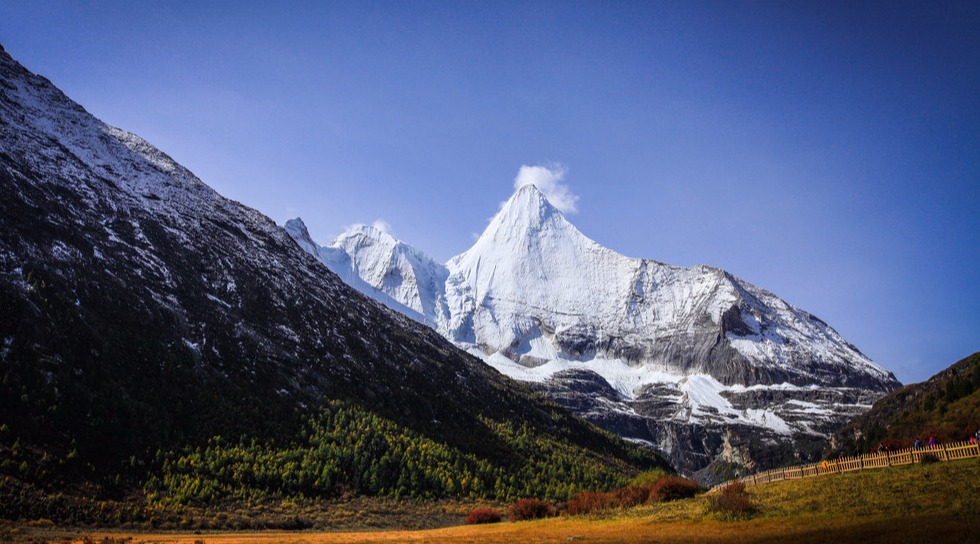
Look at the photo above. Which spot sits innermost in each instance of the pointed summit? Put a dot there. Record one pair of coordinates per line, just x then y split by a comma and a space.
529, 255
297, 230
523, 222
529, 207
529, 202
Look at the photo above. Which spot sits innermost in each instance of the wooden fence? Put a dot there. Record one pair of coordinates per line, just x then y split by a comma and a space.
942, 452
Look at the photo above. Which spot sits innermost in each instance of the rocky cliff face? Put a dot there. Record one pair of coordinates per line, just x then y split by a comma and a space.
691, 360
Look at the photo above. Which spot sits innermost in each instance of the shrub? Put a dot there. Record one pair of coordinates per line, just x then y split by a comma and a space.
928, 459
525, 509
732, 502
589, 502
634, 495
673, 488
482, 515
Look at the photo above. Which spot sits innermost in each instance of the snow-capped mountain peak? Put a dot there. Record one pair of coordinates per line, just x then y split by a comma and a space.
381, 266
525, 218
298, 231
525, 212
612, 336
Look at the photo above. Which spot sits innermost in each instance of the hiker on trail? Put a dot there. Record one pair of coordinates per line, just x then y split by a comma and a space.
918, 444
932, 442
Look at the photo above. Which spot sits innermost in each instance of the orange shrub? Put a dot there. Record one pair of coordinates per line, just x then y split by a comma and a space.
588, 502
673, 488
732, 502
530, 509
634, 495
482, 515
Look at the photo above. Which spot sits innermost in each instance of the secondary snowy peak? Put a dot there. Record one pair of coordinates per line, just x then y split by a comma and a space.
393, 267
297, 230
381, 266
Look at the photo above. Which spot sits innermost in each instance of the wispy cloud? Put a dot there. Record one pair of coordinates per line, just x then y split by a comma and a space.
550, 180
383, 226
379, 224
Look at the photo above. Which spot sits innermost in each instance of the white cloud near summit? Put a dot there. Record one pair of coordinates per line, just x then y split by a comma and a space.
383, 226
550, 180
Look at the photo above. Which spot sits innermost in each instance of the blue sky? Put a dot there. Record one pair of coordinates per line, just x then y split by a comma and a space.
826, 151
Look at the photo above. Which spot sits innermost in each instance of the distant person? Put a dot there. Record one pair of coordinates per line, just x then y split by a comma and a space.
917, 444
932, 442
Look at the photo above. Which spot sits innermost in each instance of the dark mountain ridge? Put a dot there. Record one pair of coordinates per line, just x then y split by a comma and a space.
945, 407
143, 312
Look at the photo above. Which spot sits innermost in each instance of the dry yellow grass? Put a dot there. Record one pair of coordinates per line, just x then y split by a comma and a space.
799, 531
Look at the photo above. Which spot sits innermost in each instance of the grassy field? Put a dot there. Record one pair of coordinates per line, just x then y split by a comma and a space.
918, 503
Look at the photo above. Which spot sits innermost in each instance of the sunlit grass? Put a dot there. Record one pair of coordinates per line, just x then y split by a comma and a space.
895, 492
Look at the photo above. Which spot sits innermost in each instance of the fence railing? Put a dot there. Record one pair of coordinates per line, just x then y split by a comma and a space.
942, 452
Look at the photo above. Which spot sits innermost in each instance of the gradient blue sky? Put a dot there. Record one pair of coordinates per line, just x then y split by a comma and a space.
826, 151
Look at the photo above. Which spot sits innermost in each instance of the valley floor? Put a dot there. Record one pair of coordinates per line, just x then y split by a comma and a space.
918, 529
919, 503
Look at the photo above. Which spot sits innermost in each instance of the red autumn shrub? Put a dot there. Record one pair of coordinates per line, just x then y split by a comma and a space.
529, 509
633, 495
588, 502
482, 515
673, 488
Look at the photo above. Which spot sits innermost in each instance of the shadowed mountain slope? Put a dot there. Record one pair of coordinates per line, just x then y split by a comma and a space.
142, 311
945, 407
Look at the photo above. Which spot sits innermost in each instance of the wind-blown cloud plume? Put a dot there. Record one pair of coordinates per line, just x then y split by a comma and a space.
379, 224
550, 180
383, 226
